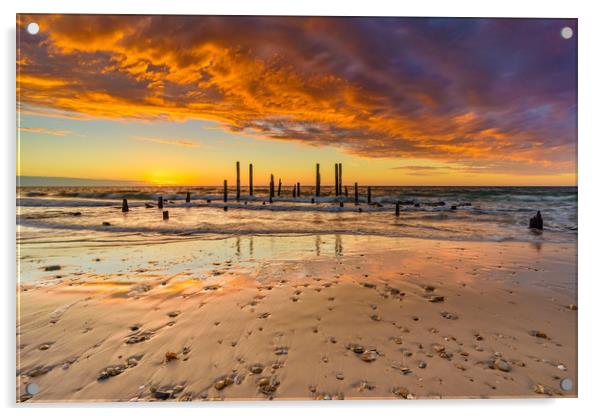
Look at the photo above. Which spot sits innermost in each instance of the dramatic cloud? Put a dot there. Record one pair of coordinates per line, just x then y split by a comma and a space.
496, 94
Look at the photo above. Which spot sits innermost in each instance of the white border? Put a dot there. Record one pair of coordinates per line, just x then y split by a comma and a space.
590, 137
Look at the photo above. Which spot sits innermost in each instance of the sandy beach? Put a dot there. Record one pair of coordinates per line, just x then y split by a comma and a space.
289, 318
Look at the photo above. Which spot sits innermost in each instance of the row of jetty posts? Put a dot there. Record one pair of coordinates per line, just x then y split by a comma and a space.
535, 222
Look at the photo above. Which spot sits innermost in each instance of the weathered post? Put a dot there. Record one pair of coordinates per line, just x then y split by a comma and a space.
369, 195
346, 191
317, 179
294, 191
279, 185
238, 181
397, 209
336, 179
160, 202
271, 187
188, 197
165, 215
298, 190
357, 200
536, 222
340, 179
225, 190
251, 179
124, 205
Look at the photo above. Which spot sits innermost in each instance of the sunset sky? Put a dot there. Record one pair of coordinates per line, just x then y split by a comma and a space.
399, 101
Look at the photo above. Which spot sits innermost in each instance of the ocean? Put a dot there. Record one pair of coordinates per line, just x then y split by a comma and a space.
447, 213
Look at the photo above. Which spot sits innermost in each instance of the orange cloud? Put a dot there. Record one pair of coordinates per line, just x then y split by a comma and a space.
372, 88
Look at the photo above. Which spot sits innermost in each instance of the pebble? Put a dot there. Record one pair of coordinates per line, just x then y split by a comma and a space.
561, 367
572, 307
538, 334
449, 315
340, 376
369, 356
369, 285
162, 395
256, 369
52, 268
401, 392
436, 299
169, 356
281, 351
223, 382
173, 314
268, 385
44, 347
421, 364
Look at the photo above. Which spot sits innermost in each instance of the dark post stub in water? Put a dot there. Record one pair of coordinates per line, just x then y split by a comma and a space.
160, 202
225, 190
124, 205
536, 222
165, 215
188, 197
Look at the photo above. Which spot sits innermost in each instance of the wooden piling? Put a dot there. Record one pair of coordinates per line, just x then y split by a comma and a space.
397, 209
165, 215
225, 190
317, 179
336, 179
251, 179
357, 199
369, 195
298, 190
160, 202
271, 187
238, 181
340, 179
188, 197
124, 205
346, 192
279, 185
294, 191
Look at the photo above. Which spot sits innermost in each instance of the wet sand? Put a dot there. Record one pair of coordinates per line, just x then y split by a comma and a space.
386, 318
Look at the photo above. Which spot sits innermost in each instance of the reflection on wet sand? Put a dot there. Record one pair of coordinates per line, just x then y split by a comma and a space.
385, 318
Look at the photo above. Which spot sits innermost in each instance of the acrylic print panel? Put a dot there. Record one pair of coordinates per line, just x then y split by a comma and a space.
254, 208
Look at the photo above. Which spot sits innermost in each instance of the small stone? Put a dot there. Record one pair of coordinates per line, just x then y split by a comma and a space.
436, 299
281, 351
561, 367
169, 356
538, 334
44, 347
162, 395
375, 317
173, 314
502, 365
449, 315
106, 223
52, 268
572, 307
268, 385
256, 369
222, 383
369, 285
401, 392
369, 356
340, 376
541, 389
358, 349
